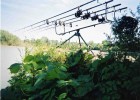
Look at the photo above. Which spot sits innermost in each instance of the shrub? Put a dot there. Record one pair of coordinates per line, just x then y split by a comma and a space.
42, 76
7, 38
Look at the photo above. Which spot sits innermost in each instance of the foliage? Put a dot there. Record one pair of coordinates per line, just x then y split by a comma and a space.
10, 94
106, 45
79, 76
7, 38
126, 33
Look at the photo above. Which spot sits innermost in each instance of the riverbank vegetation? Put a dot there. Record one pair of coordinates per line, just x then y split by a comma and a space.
7, 38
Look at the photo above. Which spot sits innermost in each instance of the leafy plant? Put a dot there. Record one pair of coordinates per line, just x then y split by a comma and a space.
40, 76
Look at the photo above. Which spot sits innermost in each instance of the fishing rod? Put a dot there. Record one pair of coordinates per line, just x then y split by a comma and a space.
58, 15
92, 25
95, 24
69, 15
81, 19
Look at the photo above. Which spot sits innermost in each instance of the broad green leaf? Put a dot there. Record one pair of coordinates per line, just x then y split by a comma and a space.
84, 78
83, 89
62, 96
46, 91
62, 83
88, 57
14, 68
95, 65
29, 58
27, 67
46, 96
50, 66
37, 58
76, 60
34, 97
52, 94
74, 83
42, 76
40, 64
35, 65
85, 85
53, 74
63, 68
63, 75
28, 87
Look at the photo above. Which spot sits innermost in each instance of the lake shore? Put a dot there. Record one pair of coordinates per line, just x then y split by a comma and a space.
8, 56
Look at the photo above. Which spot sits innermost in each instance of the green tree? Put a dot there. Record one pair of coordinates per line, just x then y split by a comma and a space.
106, 45
126, 32
7, 38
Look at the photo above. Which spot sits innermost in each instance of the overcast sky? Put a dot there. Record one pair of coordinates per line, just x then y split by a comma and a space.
16, 14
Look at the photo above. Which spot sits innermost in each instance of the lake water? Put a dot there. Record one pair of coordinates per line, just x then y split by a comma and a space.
8, 56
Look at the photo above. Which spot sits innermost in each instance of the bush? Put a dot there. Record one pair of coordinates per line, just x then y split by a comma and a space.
43, 75
7, 38
126, 32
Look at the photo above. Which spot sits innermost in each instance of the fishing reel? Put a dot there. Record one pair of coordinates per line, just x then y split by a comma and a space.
47, 22
101, 20
63, 23
95, 17
55, 23
78, 13
60, 23
70, 24
86, 16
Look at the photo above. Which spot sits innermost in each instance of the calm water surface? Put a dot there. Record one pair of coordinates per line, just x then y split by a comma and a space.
8, 56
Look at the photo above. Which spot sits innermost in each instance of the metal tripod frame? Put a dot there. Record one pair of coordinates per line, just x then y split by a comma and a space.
79, 36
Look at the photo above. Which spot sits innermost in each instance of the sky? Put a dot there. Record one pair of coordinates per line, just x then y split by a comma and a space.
16, 14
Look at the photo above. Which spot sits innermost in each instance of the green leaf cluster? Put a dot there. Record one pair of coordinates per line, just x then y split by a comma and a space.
80, 76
